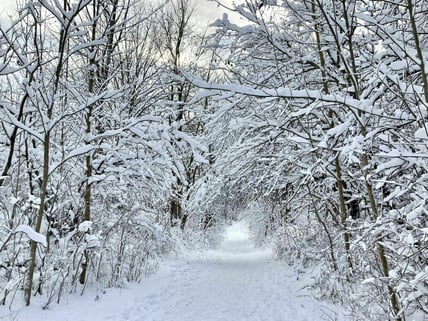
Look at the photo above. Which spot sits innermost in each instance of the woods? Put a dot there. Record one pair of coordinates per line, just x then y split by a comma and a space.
127, 129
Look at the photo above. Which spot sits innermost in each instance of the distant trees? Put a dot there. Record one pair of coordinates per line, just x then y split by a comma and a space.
182, 48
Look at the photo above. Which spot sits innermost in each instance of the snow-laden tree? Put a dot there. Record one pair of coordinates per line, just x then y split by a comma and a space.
90, 151
181, 46
327, 99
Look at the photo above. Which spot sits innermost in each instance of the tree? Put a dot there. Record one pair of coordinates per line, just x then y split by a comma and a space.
176, 34
311, 90
61, 89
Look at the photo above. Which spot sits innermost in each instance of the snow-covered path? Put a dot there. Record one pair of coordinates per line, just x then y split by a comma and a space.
235, 282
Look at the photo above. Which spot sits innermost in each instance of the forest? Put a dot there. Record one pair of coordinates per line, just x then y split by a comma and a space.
127, 129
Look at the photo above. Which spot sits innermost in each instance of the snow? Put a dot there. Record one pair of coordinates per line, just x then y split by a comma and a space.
418, 210
80, 151
235, 282
32, 234
421, 133
92, 241
85, 226
284, 92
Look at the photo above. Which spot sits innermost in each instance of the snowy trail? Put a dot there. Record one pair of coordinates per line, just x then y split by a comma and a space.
235, 282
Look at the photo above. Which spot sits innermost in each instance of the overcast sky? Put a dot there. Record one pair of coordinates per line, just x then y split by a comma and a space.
6, 7
206, 10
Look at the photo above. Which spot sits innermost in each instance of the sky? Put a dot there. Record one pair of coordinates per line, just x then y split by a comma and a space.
206, 10
6, 7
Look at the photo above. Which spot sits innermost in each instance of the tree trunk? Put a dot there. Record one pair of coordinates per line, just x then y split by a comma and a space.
39, 219
342, 203
88, 163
